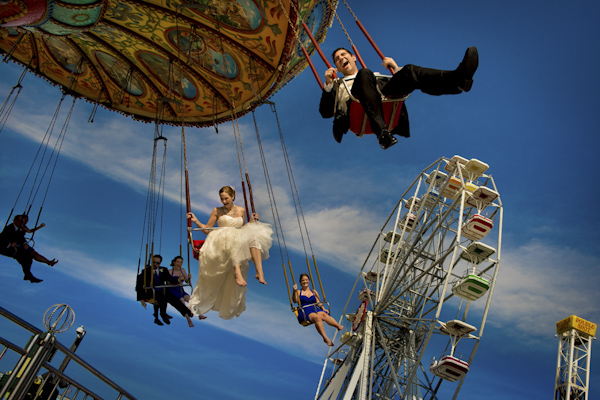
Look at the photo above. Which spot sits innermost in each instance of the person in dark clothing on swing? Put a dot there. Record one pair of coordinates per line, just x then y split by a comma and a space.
156, 275
368, 89
14, 245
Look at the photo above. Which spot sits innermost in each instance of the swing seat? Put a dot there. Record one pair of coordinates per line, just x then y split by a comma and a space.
372, 276
470, 188
299, 312
304, 321
197, 245
391, 107
10, 252
359, 122
336, 361
475, 168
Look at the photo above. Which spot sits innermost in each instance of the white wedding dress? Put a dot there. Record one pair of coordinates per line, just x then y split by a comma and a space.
216, 288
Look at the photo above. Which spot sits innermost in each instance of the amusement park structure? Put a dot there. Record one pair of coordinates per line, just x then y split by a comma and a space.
574, 357
26, 379
418, 309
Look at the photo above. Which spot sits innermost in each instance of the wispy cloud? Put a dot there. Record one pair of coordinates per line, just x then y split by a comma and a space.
540, 284
115, 278
121, 149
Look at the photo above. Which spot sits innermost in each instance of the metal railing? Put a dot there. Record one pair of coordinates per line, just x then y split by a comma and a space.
53, 384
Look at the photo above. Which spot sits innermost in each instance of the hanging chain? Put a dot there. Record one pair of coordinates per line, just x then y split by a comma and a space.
59, 143
4, 111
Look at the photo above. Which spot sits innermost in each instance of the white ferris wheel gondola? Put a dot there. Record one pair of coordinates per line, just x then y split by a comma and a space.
427, 266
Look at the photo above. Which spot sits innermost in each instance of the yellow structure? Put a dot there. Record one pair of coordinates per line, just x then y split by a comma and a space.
574, 358
574, 322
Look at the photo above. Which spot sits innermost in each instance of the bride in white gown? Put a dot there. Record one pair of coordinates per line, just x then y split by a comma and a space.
224, 257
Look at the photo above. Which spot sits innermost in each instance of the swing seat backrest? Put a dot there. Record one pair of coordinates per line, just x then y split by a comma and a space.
300, 311
359, 122
305, 321
197, 245
392, 109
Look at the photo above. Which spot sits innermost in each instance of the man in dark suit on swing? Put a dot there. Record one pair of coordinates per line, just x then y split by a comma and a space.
156, 275
368, 89
14, 245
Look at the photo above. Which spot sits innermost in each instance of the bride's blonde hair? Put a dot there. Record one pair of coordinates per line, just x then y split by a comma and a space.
229, 190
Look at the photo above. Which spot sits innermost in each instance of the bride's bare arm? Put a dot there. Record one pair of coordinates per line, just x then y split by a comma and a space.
211, 221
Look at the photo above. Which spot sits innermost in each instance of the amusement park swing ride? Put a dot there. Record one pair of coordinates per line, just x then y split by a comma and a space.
426, 286
189, 63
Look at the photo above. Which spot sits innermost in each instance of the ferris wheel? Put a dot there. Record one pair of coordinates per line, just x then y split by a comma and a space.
417, 311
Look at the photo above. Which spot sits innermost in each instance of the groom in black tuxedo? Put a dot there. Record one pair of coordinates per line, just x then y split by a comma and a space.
368, 88
160, 276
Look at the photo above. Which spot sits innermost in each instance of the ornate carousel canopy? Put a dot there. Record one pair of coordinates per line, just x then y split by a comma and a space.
195, 61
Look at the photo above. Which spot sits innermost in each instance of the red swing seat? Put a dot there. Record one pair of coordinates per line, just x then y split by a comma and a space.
197, 245
359, 122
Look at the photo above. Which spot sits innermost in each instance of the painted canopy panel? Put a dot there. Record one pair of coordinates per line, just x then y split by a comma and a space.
194, 60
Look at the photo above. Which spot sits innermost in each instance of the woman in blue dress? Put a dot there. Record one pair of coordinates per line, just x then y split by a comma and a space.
311, 308
183, 277
177, 272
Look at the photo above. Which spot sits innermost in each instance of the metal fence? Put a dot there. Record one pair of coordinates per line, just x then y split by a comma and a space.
33, 378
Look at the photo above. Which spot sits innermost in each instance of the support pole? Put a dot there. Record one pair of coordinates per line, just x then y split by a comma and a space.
250, 193
316, 44
370, 39
312, 66
245, 201
188, 202
80, 334
364, 31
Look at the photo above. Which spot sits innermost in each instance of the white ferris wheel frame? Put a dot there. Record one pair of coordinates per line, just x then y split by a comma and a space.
413, 280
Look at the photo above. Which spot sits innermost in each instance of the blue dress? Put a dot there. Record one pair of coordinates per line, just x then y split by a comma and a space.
177, 291
308, 307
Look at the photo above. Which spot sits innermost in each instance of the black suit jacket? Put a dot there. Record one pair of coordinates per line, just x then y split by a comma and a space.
327, 103
9, 235
341, 121
163, 278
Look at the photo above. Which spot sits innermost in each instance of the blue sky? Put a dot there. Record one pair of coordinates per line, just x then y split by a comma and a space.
531, 115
